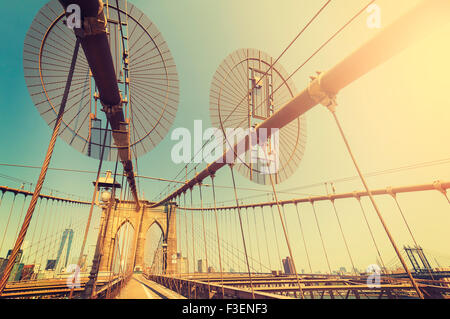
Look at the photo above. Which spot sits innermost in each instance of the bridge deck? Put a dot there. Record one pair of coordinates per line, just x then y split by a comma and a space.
141, 288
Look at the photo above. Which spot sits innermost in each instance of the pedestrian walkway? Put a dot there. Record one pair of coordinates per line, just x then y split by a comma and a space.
140, 288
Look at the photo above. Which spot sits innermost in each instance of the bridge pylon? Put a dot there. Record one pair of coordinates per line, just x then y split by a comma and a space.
141, 221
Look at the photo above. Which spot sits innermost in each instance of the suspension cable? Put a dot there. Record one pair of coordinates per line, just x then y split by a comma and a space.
303, 237
285, 221
218, 236
187, 245
7, 223
317, 51
38, 214
257, 239
407, 226
272, 64
242, 232
204, 239
249, 237
20, 217
91, 209
343, 237
40, 182
47, 227
285, 231
371, 233
94, 194
115, 221
265, 235
193, 243
276, 236
394, 196
321, 237
237, 255
372, 199
236, 237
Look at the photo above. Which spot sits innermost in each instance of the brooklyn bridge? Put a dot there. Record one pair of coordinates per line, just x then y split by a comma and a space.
103, 78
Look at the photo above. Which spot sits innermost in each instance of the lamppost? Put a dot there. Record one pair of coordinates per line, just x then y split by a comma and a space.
164, 250
107, 198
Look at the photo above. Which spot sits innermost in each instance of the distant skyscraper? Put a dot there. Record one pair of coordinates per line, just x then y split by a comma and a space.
288, 266
16, 271
51, 264
83, 264
182, 264
19, 255
3, 262
201, 265
16, 267
27, 272
67, 235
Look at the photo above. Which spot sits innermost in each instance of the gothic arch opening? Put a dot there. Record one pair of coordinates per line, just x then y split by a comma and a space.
153, 259
122, 256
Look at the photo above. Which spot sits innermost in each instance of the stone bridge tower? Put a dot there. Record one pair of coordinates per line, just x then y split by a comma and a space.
141, 221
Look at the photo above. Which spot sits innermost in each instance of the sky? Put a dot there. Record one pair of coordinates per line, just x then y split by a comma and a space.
395, 116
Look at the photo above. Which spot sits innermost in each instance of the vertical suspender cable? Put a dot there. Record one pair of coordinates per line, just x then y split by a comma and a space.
20, 217
7, 222
193, 243
242, 232
394, 196
249, 238
285, 230
91, 209
343, 237
257, 240
235, 221
265, 235
204, 238
276, 236
407, 226
187, 246
371, 233
218, 237
50, 217
372, 199
303, 237
321, 237
35, 226
285, 221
